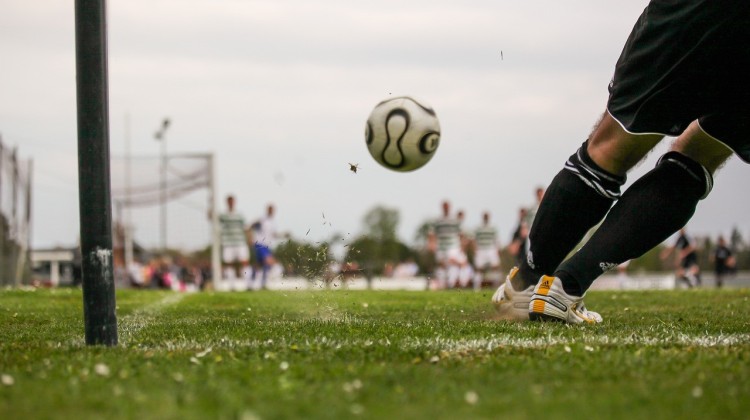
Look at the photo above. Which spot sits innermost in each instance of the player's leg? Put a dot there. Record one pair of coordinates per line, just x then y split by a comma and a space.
268, 262
719, 278
681, 276
452, 273
441, 270
695, 272
580, 195
652, 209
228, 258
243, 258
483, 265
255, 264
452, 269
264, 257
465, 270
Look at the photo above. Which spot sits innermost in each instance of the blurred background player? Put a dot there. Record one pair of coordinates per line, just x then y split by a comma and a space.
517, 245
235, 254
264, 231
622, 274
724, 262
444, 241
526, 219
531, 212
486, 253
687, 268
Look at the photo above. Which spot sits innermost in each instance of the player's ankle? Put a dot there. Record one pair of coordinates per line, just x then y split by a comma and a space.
570, 285
526, 277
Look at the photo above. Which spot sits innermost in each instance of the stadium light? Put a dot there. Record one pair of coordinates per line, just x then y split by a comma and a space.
93, 173
161, 136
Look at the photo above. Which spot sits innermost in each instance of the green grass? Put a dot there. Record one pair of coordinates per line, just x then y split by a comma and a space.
354, 354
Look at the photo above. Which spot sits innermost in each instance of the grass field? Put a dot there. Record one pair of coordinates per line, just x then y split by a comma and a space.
359, 354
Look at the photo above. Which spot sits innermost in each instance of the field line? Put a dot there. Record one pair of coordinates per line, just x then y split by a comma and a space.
131, 324
441, 344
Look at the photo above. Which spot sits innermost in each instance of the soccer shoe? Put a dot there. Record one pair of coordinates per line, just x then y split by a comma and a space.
511, 304
550, 303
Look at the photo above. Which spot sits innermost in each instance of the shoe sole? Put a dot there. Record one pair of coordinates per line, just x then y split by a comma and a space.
542, 317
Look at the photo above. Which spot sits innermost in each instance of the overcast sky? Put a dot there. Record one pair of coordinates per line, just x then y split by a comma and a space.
280, 90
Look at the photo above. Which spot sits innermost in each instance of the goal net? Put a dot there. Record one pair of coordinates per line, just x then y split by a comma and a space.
15, 217
158, 208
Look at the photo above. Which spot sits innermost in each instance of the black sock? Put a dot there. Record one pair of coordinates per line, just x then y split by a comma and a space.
576, 200
652, 209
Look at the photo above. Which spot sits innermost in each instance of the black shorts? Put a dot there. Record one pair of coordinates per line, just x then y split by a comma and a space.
690, 260
686, 61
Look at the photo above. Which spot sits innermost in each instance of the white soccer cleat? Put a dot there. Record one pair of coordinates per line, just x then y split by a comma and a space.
550, 303
511, 304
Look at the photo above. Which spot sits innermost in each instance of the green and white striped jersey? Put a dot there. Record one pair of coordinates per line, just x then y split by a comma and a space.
232, 229
447, 230
486, 237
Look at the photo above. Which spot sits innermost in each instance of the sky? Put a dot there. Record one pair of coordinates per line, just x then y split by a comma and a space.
279, 91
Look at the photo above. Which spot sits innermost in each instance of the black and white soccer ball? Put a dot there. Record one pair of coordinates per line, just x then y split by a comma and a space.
402, 134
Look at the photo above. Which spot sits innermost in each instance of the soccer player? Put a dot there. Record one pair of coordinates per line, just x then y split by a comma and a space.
235, 254
265, 234
681, 73
724, 262
445, 241
688, 271
531, 212
517, 246
487, 250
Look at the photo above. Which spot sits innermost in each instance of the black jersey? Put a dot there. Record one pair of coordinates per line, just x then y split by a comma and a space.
722, 254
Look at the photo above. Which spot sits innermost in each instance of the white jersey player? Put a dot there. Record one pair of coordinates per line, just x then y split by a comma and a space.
234, 249
265, 234
445, 241
487, 250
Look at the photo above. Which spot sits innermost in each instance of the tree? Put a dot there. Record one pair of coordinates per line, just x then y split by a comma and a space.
379, 245
304, 259
736, 242
423, 231
381, 223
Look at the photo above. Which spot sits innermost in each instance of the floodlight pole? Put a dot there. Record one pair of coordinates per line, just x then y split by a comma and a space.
161, 136
93, 173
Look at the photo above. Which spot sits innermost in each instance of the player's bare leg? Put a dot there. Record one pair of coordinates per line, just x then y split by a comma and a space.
617, 151
702, 148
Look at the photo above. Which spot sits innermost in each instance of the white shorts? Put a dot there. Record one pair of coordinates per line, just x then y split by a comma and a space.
486, 258
455, 254
235, 253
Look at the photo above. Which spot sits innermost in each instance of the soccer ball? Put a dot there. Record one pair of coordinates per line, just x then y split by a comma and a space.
402, 134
